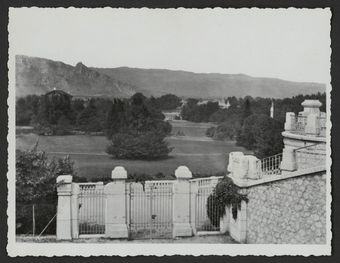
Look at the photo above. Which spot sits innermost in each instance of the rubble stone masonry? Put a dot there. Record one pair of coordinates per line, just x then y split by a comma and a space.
291, 211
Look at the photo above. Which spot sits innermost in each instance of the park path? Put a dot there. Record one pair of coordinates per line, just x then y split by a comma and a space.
105, 154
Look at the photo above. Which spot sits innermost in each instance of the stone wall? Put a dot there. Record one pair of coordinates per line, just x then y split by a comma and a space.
289, 211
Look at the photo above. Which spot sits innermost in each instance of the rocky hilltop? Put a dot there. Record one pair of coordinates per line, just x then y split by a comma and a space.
39, 75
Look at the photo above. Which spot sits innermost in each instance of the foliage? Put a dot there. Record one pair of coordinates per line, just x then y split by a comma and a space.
166, 102
137, 130
88, 119
224, 131
225, 194
36, 184
144, 146
25, 109
198, 113
261, 134
54, 106
246, 111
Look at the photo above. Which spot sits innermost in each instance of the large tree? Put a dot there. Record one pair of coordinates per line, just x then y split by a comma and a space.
261, 134
88, 119
137, 130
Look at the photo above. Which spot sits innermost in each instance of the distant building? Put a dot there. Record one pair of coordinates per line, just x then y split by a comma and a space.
221, 103
58, 93
172, 115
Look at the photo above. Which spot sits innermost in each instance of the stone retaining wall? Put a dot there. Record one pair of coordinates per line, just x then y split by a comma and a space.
291, 211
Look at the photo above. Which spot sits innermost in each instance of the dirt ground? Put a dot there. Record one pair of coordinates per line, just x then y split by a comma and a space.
212, 239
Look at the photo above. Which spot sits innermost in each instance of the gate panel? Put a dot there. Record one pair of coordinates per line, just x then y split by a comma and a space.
207, 214
91, 209
150, 210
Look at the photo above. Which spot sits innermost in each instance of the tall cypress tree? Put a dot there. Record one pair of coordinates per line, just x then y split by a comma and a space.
246, 110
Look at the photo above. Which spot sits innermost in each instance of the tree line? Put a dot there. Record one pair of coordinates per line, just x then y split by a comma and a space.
135, 126
248, 121
59, 115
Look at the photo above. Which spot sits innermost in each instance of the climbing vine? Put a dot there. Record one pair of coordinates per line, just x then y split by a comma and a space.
225, 194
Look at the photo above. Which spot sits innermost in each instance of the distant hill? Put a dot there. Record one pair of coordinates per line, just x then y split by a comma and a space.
39, 75
208, 85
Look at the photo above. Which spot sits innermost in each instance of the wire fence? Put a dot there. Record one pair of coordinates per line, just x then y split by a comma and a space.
35, 218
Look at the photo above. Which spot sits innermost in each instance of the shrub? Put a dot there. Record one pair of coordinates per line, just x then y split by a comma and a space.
36, 185
145, 146
225, 194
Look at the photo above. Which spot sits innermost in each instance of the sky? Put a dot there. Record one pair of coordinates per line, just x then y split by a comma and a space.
291, 44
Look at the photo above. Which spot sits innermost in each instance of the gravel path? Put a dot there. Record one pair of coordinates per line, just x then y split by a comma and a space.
213, 239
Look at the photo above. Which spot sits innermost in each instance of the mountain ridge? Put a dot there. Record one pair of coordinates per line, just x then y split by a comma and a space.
158, 82
39, 75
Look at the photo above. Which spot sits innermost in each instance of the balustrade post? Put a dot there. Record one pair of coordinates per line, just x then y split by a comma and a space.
193, 198
75, 210
115, 216
64, 214
181, 203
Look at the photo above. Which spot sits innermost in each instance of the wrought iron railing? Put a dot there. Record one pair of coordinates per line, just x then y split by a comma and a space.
270, 165
91, 208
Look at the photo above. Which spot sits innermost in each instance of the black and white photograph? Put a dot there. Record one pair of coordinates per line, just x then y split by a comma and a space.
169, 131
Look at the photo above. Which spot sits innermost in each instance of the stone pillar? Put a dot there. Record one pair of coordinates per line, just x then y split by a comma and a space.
290, 121
64, 214
115, 218
225, 222
254, 168
311, 107
313, 125
233, 159
288, 162
181, 203
193, 195
238, 226
75, 210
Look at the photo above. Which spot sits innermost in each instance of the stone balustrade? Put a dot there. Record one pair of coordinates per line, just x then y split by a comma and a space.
311, 121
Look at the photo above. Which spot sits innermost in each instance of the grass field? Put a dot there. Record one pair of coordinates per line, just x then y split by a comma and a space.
199, 153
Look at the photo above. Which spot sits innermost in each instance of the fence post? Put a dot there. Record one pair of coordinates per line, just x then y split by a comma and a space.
64, 215
115, 218
181, 203
193, 196
75, 210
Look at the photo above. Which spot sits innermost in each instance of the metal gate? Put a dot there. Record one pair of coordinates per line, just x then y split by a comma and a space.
150, 210
206, 211
91, 216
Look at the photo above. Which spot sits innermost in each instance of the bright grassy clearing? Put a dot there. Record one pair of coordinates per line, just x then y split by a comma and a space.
200, 154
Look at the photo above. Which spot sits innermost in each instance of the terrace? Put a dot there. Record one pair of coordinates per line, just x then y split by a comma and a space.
304, 140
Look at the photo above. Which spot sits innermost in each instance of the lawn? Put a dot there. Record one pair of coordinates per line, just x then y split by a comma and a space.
199, 153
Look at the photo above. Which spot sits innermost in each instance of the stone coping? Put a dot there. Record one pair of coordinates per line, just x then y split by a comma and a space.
304, 137
272, 178
206, 178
